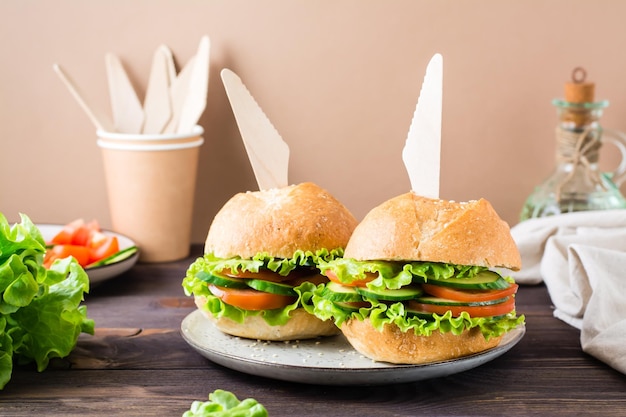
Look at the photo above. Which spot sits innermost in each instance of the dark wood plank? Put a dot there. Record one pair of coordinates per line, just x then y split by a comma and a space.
489, 390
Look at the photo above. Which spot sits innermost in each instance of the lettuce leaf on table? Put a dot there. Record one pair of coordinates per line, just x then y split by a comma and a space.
40, 312
225, 404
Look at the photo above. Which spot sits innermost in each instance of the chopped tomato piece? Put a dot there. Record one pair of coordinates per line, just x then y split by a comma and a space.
82, 240
469, 295
499, 309
369, 276
80, 253
76, 232
102, 246
84, 234
249, 299
66, 234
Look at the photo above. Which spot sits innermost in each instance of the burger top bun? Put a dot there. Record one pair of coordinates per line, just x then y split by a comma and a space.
410, 227
280, 222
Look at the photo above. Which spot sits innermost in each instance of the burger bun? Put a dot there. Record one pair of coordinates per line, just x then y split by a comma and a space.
394, 346
301, 325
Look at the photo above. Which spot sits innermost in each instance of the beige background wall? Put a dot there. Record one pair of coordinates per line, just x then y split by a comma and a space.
339, 79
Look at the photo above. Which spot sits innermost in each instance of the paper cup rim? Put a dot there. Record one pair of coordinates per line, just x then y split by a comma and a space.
196, 131
150, 147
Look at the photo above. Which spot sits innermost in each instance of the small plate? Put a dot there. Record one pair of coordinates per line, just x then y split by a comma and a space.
324, 361
99, 273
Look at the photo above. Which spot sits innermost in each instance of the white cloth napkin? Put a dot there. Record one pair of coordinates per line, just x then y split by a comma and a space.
581, 257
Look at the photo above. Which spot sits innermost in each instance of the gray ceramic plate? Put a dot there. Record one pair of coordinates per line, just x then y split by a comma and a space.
325, 361
99, 273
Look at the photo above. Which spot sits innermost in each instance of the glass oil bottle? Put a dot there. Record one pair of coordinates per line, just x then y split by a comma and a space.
577, 184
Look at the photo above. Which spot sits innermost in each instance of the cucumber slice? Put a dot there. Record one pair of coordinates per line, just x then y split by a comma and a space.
447, 302
340, 293
485, 280
417, 313
221, 280
347, 306
116, 257
404, 293
271, 287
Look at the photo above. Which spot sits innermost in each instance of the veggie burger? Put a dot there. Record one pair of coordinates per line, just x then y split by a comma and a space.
261, 260
415, 284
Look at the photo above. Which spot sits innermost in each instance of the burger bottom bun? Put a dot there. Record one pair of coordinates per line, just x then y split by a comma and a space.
394, 346
301, 325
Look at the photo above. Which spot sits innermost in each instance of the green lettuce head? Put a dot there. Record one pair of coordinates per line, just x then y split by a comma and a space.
40, 312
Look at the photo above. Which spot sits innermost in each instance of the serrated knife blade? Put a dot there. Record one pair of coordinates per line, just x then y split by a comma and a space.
422, 150
267, 151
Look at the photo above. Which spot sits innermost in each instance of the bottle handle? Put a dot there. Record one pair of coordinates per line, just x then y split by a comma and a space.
619, 140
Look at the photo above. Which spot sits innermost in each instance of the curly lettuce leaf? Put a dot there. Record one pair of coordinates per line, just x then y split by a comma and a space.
225, 404
213, 264
40, 312
394, 275
192, 285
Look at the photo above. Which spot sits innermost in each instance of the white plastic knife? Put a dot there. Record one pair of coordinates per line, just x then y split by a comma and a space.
169, 57
157, 106
128, 113
267, 151
179, 88
422, 150
99, 119
195, 99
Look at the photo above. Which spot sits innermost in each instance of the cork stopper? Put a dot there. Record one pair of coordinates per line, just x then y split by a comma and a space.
579, 91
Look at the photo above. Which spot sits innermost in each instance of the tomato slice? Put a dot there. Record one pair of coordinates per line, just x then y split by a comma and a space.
474, 311
249, 299
80, 253
469, 295
369, 276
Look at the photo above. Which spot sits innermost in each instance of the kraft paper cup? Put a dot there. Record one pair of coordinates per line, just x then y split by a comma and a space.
151, 183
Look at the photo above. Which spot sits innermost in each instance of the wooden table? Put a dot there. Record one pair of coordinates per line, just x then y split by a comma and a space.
137, 364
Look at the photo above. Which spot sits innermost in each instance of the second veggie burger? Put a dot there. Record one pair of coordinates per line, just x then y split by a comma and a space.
417, 284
